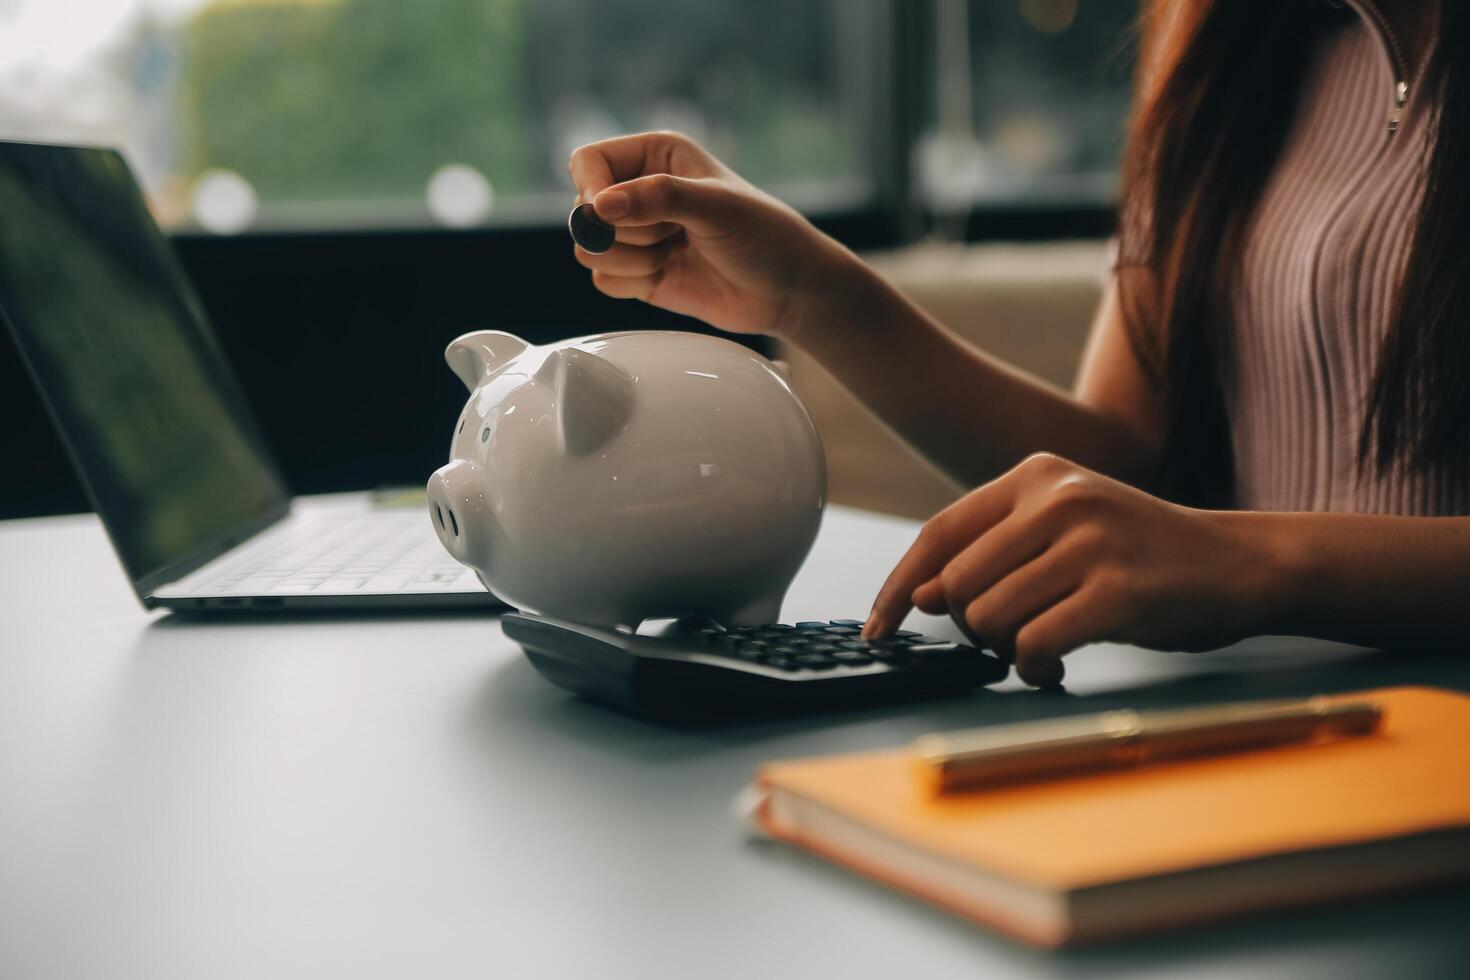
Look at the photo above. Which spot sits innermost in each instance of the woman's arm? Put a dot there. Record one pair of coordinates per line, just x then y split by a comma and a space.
695, 238
971, 414
1052, 556
1367, 579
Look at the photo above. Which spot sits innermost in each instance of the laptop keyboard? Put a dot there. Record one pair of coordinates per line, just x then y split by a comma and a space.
371, 553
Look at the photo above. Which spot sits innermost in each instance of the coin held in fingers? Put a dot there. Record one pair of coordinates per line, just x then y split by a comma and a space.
590, 231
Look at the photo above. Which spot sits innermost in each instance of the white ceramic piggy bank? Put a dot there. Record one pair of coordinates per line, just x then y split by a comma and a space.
629, 476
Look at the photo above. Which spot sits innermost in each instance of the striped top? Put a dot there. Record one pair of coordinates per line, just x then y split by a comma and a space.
1320, 263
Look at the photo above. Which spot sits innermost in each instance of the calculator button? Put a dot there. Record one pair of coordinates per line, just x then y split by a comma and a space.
843, 630
851, 658
850, 623
908, 633
786, 650
816, 661
811, 625
822, 647
782, 663
854, 645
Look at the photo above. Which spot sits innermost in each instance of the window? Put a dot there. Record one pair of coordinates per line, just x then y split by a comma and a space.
1026, 104
337, 114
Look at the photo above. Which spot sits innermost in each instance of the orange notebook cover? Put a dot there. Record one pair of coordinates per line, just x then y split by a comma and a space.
1091, 857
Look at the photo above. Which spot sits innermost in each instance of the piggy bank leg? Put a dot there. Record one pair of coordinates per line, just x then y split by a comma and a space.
758, 612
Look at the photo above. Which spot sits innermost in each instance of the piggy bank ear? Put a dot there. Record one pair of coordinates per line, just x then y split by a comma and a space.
475, 355
594, 398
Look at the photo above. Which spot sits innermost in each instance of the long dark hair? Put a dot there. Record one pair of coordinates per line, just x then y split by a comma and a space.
1201, 144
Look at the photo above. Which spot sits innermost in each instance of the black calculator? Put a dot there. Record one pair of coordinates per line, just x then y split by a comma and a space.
700, 670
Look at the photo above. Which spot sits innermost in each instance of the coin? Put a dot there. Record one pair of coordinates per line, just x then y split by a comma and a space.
590, 231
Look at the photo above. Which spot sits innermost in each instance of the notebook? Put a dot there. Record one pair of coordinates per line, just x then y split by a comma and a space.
1089, 858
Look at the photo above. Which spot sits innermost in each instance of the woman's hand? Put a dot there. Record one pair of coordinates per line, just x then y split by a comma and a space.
1052, 556
694, 238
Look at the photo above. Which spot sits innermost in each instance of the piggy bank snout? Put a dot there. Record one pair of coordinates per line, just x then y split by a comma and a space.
458, 510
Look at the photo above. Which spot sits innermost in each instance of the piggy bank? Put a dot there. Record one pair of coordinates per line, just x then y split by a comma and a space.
629, 476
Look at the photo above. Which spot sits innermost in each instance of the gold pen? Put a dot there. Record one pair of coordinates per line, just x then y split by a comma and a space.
1115, 739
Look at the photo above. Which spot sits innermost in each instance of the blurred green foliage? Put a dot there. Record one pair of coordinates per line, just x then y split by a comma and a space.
361, 101
332, 99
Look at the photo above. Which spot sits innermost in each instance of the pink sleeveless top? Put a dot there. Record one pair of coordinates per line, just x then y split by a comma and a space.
1321, 259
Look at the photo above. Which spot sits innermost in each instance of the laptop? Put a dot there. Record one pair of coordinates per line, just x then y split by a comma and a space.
155, 422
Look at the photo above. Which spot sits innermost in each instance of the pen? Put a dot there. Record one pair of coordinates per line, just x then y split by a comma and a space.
1117, 739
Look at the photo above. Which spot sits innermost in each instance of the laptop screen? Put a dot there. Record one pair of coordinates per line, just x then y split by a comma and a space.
133, 375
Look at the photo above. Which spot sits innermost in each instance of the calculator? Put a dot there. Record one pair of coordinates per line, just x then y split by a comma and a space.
697, 670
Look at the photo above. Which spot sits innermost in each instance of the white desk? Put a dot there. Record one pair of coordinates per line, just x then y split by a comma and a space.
404, 797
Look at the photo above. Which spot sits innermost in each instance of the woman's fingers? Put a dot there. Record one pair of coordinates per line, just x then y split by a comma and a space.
1011, 543
1052, 557
929, 598
940, 539
1004, 612
1015, 540
951, 530
706, 207
599, 165
627, 260
1085, 616
997, 614
627, 287
647, 234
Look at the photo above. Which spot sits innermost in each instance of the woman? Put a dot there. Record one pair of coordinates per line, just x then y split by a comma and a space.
1286, 333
